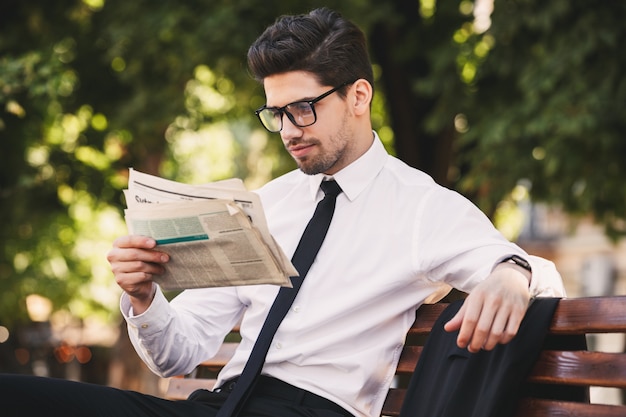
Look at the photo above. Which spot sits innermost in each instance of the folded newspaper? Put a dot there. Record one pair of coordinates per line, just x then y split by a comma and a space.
216, 234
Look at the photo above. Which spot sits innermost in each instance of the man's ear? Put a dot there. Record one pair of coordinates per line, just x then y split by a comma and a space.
362, 96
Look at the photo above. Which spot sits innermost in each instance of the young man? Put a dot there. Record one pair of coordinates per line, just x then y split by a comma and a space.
395, 241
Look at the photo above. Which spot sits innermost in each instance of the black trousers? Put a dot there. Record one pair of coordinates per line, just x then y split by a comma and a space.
25, 396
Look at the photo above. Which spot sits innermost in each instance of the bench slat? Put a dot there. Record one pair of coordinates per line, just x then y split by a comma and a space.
590, 315
527, 407
393, 402
408, 359
555, 367
580, 368
425, 318
548, 408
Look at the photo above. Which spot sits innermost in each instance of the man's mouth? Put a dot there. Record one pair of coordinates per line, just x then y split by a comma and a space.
300, 150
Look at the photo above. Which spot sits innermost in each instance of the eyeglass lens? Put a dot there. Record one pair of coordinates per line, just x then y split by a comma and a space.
300, 114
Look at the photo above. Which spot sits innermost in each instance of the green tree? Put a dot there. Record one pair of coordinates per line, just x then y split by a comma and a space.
538, 96
548, 104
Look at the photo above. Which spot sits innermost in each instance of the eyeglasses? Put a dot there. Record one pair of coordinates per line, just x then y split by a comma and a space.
301, 113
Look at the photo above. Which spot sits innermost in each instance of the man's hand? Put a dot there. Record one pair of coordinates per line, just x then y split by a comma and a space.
134, 262
493, 311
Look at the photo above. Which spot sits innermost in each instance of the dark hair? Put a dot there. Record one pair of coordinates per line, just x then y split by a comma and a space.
321, 42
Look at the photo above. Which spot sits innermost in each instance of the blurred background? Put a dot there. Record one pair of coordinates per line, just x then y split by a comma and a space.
519, 105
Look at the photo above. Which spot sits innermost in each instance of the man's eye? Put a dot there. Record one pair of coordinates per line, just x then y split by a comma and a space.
300, 108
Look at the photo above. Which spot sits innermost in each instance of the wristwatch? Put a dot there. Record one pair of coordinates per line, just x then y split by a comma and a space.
519, 261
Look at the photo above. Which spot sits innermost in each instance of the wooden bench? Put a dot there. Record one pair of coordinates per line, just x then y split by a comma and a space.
580, 369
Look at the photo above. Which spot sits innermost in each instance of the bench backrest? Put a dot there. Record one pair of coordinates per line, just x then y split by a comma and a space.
558, 368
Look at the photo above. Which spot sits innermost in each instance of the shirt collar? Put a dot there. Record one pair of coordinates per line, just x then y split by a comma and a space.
354, 178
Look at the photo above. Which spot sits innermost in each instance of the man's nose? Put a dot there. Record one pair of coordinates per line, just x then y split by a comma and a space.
289, 130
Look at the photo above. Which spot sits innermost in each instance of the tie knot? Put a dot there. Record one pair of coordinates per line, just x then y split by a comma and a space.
330, 188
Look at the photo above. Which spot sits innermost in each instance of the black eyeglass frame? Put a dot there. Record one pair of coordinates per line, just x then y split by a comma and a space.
283, 110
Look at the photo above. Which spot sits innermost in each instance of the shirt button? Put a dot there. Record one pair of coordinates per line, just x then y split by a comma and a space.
144, 326
296, 309
279, 345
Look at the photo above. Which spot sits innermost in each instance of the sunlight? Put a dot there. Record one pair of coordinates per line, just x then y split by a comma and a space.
4, 334
482, 15
39, 307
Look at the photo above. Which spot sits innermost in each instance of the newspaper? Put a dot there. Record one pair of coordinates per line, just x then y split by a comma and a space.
216, 233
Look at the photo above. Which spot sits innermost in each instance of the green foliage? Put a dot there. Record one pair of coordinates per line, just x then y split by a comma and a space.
550, 107
89, 88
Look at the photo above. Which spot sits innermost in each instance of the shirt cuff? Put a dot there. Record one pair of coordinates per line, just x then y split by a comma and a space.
546, 280
151, 320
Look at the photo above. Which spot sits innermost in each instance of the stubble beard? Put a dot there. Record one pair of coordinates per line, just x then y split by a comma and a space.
329, 157
318, 164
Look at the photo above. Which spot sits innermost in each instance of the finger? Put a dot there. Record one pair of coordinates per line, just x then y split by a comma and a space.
136, 284
514, 322
497, 332
133, 278
455, 322
482, 328
507, 321
470, 324
500, 322
150, 268
119, 255
135, 241
129, 249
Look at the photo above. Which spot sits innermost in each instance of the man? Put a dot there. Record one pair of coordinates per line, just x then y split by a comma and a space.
395, 241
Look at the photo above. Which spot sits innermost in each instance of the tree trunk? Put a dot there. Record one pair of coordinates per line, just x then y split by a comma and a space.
401, 50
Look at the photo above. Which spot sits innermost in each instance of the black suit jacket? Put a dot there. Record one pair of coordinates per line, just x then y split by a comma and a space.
452, 382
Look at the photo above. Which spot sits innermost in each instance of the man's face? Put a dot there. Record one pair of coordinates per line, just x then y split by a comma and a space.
327, 145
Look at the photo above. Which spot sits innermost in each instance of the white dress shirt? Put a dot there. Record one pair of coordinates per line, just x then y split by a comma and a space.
396, 240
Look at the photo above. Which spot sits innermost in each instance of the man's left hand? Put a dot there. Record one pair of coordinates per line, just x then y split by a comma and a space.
493, 310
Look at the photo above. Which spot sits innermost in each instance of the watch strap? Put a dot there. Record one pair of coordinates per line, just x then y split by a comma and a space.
519, 261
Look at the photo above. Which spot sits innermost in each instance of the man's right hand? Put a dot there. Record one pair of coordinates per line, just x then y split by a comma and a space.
134, 262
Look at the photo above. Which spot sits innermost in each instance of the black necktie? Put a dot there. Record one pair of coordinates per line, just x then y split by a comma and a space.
303, 258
